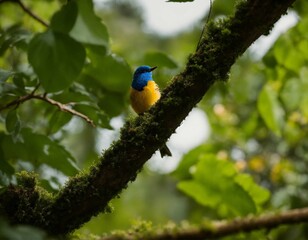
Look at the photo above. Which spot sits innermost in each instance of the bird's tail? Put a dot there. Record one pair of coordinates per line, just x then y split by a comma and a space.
165, 151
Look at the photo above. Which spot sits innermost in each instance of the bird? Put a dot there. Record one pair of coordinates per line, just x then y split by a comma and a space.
144, 93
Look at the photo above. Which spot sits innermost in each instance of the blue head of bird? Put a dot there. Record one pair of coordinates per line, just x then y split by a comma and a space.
142, 75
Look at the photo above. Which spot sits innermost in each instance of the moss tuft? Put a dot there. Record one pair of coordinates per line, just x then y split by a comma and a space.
27, 179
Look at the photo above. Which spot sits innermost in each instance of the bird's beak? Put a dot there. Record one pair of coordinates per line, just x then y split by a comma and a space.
152, 69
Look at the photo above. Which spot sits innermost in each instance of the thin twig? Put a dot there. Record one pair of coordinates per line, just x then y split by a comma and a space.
27, 10
62, 107
206, 22
21, 99
16, 102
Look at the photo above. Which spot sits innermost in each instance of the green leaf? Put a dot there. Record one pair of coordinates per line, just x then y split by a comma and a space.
65, 18
291, 93
113, 104
259, 194
270, 109
13, 125
57, 59
57, 121
189, 160
19, 82
14, 36
113, 73
88, 27
12, 122
292, 59
196, 190
159, 59
39, 149
214, 185
110, 103
95, 52
4, 75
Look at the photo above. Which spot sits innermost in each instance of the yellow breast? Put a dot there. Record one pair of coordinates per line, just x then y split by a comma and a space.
141, 101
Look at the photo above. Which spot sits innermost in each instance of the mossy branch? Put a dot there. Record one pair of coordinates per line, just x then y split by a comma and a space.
212, 230
88, 194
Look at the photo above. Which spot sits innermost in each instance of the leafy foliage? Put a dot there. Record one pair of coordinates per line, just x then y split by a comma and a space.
58, 57
216, 184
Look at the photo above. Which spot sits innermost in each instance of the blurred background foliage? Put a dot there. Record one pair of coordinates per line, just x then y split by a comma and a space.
254, 161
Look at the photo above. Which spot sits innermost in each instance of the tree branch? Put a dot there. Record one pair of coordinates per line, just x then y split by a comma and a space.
214, 230
89, 193
62, 107
27, 10
65, 108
